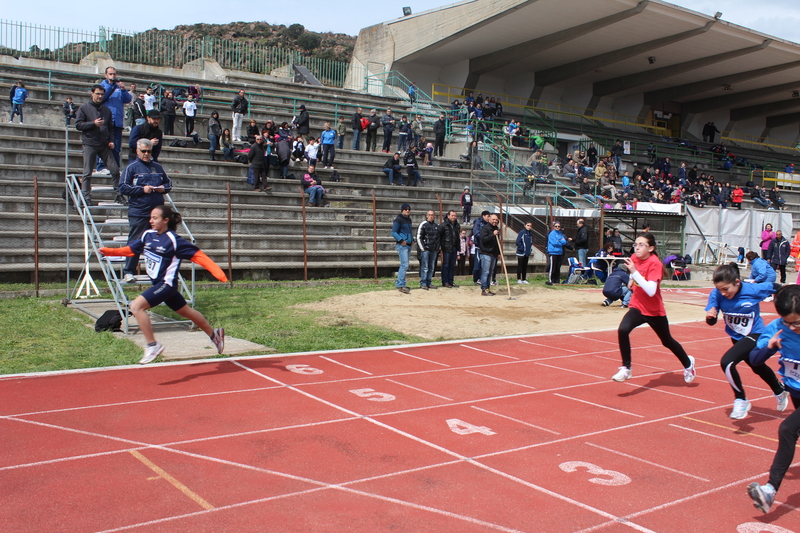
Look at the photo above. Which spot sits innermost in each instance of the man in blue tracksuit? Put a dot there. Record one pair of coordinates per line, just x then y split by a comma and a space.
144, 182
115, 99
403, 233
556, 241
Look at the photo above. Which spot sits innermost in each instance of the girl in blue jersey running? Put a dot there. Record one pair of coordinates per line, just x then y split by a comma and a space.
781, 334
739, 305
163, 250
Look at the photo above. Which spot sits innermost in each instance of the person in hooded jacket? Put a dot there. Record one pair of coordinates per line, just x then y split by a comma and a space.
524, 249
556, 242
779, 251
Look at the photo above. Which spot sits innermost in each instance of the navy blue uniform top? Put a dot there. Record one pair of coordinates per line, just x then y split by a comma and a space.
135, 176
162, 254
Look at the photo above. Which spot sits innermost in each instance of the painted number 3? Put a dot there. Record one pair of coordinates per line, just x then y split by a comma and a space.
613, 479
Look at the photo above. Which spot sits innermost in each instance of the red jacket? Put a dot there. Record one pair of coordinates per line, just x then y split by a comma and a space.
737, 195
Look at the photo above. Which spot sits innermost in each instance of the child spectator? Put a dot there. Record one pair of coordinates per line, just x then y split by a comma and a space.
189, 111
20, 95
311, 151
252, 131
298, 149
226, 142
70, 110
524, 249
341, 129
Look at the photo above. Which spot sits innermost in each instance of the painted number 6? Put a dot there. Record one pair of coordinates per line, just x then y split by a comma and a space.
758, 527
303, 369
373, 395
616, 477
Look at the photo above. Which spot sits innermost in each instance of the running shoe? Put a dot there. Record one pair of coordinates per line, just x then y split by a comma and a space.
689, 373
768, 299
219, 339
129, 278
740, 409
622, 374
151, 352
783, 400
763, 496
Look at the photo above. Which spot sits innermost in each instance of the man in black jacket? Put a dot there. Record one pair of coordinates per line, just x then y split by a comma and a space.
372, 131
388, 128
138, 112
581, 242
450, 240
96, 125
239, 108
259, 164
490, 251
439, 129
357, 129
150, 131
301, 122
428, 244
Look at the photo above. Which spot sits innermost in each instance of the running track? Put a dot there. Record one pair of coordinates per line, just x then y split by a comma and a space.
507, 434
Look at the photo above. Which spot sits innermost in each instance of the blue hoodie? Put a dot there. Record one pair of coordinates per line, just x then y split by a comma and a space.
20, 95
790, 354
556, 242
116, 101
762, 271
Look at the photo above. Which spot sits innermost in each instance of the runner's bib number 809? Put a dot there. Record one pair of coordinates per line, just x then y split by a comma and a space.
740, 323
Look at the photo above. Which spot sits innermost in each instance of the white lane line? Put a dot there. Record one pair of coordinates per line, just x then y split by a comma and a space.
597, 405
420, 390
346, 366
515, 420
491, 353
647, 462
548, 347
500, 379
770, 450
71, 458
259, 431
570, 370
594, 340
420, 358
656, 389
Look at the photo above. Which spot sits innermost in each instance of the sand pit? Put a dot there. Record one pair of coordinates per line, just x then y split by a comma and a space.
463, 313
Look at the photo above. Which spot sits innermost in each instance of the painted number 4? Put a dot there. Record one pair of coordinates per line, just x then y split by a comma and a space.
613, 479
373, 395
459, 427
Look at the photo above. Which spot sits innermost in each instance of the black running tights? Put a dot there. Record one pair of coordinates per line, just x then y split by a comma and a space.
741, 352
632, 320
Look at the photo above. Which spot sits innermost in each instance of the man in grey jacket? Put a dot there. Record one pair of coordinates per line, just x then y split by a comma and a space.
97, 135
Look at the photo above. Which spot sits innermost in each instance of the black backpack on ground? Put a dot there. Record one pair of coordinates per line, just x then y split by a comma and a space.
111, 320
335, 175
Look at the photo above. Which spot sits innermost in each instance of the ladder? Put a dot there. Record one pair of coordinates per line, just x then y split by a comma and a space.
105, 224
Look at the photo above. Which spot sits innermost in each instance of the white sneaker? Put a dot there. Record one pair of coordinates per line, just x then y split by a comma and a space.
151, 352
104, 172
525, 281
219, 339
689, 373
768, 298
129, 278
622, 374
494, 283
783, 400
520, 282
740, 409
763, 496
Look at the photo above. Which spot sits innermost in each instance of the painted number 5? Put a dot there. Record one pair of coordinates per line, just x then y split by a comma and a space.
758, 527
460, 427
373, 395
303, 369
616, 478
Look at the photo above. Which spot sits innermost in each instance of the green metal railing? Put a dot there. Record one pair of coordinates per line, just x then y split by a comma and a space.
393, 84
160, 48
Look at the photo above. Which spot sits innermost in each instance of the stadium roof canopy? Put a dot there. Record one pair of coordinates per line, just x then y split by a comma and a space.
626, 56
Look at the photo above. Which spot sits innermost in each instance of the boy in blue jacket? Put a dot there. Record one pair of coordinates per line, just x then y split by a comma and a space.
524, 249
782, 334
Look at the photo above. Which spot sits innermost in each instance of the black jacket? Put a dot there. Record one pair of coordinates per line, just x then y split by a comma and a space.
449, 236
439, 128
778, 251
256, 155
356, 125
145, 131
374, 122
302, 122
168, 106
393, 163
428, 236
240, 105
388, 122
91, 134
581, 240
70, 109
138, 110
488, 240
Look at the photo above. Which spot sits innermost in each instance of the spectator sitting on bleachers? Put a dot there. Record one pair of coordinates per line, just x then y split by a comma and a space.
251, 131
412, 168
759, 196
226, 142
393, 169
776, 199
790, 168
298, 149
568, 171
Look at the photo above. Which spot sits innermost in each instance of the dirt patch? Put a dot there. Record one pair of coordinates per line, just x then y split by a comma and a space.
463, 313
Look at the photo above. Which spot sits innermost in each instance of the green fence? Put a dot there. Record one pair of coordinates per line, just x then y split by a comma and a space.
159, 48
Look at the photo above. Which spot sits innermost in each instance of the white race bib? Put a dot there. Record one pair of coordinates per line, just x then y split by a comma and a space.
741, 323
152, 263
791, 370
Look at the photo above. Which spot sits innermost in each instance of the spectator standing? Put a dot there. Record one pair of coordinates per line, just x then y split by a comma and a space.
412, 168
412, 92
428, 246
766, 239
239, 106
556, 241
591, 155
328, 140
144, 183
138, 111
357, 128
736, 197
147, 130
477, 226
19, 97
302, 121
372, 131
449, 239
388, 127
490, 251
709, 131
149, 99
214, 132
259, 165
95, 123
439, 130
416, 130
616, 154
464, 244
402, 232
189, 112
778, 253
466, 205
115, 98
169, 108
70, 110
129, 108
524, 249
283, 148
581, 242
403, 132
341, 129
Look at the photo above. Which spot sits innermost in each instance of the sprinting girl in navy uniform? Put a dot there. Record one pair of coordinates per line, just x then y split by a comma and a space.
163, 251
781, 334
739, 305
647, 307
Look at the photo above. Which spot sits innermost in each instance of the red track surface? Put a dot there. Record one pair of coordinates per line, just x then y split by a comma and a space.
512, 434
